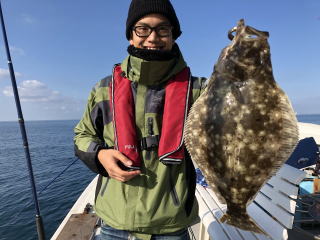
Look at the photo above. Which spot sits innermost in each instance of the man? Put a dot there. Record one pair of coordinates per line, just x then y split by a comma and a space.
132, 132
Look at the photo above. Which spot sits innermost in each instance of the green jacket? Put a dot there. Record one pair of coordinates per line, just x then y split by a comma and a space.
154, 202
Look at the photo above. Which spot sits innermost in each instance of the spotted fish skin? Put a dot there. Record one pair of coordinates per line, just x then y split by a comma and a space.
242, 128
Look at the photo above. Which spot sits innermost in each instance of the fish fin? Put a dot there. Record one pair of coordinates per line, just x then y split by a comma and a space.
214, 188
199, 152
290, 132
243, 222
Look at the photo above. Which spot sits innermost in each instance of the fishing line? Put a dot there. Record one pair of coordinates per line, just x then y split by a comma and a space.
12, 221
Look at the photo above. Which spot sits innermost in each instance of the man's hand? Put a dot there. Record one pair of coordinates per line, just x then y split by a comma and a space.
110, 159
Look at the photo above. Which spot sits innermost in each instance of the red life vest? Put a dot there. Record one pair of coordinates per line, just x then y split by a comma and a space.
176, 106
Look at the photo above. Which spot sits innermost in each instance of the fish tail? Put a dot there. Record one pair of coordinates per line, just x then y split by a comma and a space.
243, 221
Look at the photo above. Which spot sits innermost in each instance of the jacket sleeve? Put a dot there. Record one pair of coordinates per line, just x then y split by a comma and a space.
198, 86
88, 138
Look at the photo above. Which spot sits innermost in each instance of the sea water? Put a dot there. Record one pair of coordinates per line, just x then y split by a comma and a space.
51, 148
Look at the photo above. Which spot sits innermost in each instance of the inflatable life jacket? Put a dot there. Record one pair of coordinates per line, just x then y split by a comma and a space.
176, 106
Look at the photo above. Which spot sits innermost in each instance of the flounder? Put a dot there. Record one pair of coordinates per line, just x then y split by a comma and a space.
242, 128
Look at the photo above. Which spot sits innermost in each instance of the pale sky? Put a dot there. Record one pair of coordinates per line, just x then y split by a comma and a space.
60, 49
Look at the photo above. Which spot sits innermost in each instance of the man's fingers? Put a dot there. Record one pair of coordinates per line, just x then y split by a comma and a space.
118, 178
122, 158
124, 176
132, 173
113, 161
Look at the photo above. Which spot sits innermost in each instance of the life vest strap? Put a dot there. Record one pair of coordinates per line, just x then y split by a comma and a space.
150, 142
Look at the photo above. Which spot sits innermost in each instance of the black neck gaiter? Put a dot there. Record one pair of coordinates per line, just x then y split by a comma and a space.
154, 55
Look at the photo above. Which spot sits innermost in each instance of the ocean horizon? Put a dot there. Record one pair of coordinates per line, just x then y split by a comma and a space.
309, 118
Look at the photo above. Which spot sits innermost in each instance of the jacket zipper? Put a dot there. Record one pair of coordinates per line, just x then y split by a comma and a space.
175, 198
104, 187
173, 191
150, 133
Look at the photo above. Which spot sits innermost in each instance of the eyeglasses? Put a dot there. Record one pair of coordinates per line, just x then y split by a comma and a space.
145, 31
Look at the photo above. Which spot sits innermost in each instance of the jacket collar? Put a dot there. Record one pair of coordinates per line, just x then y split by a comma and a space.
151, 72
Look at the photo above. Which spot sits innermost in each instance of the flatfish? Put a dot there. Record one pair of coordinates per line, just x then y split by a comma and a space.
242, 128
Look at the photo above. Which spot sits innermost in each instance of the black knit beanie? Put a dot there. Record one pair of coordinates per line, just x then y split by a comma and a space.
140, 8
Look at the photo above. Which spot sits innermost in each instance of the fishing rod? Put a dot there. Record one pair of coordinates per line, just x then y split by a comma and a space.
39, 223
